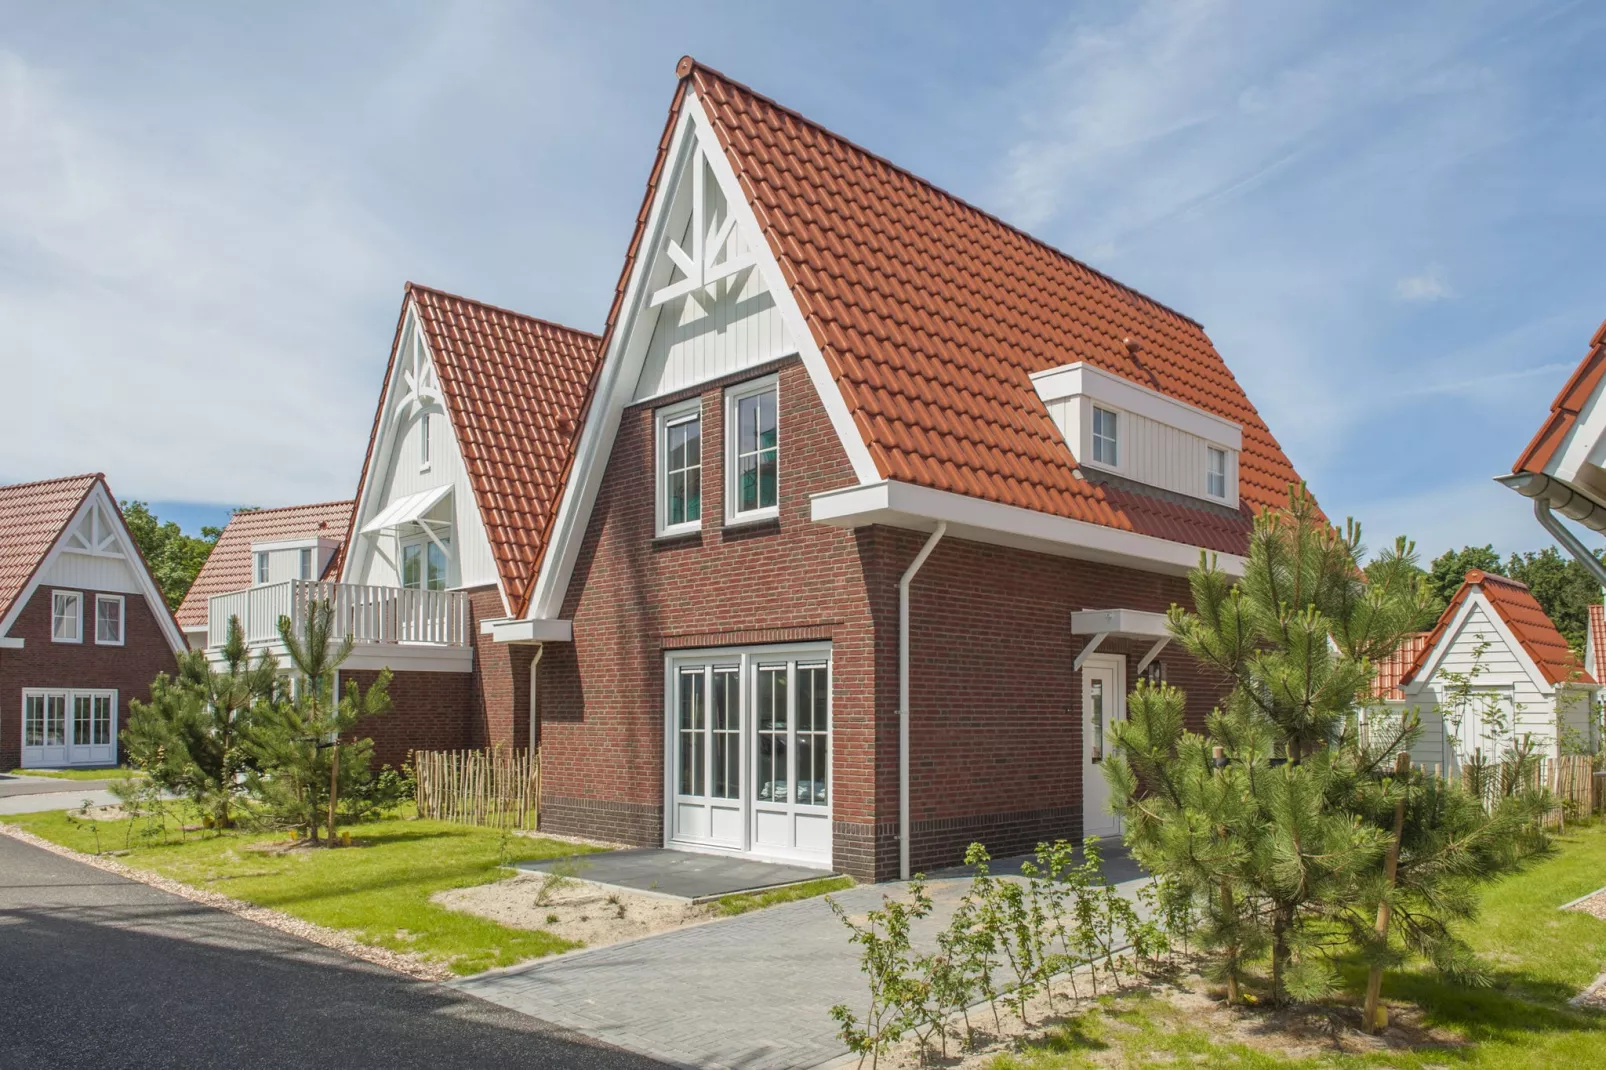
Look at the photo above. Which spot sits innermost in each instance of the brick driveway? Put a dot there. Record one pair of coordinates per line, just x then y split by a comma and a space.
751, 992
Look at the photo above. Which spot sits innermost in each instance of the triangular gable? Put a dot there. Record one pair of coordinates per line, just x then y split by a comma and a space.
93, 528
511, 390
1520, 624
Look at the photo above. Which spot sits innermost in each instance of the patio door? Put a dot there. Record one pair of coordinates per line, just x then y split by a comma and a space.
748, 735
1103, 703
63, 727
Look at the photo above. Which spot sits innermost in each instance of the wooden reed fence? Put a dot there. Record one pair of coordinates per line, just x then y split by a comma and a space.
1572, 778
498, 788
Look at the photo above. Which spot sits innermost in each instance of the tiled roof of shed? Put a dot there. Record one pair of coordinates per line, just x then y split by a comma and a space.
932, 315
1564, 411
31, 517
228, 566
516, 389
1392, 669
1527, 620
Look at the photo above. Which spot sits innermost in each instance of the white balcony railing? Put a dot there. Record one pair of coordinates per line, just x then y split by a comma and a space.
367, 614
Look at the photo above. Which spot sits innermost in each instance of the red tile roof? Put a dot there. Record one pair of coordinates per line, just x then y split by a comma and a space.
1392, 669
1564, 411
31, 518
228, 566
516, 389
932, 314
1597, 636
1522, 614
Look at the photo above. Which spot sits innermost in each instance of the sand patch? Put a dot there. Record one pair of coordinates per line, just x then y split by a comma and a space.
578, 910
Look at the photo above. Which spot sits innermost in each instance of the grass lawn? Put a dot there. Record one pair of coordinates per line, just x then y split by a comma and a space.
1539, 957
119, 773
732, 905
379, 891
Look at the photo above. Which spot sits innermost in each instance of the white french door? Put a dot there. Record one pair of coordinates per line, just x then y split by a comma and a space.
1103, 703
749, 752
68, 727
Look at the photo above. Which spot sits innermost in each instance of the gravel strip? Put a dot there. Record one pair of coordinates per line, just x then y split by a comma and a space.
411, 965
1591, 904
1595, 994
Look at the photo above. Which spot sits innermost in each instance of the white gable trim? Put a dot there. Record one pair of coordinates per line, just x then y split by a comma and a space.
627, 349
117, 543
1587, 432
1458, 624
420, 379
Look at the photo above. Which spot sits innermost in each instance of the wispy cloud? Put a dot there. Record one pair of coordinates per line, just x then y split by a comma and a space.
1429, 285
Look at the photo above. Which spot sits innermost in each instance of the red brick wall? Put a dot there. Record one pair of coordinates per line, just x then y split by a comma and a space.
129, 668
428, 711
631, 596
501, 678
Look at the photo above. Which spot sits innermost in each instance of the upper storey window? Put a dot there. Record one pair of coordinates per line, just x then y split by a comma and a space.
1106, 441
1113, 424
752, 454
680, 467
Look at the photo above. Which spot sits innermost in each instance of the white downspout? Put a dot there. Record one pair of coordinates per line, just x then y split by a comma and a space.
535, 716
903, 695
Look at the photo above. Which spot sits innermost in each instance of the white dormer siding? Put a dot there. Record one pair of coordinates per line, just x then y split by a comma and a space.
1159, 441
285, 557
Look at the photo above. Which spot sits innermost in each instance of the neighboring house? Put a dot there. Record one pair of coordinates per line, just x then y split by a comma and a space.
825, 383
1493, 670
83, 626
471, 442
843, 545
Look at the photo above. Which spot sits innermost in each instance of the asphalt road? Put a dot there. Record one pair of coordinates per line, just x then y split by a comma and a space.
98, 971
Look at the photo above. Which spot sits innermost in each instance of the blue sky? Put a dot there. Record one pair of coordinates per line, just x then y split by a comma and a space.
1387, 216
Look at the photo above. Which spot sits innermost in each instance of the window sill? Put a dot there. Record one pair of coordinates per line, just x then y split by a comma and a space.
677, 535
748, 520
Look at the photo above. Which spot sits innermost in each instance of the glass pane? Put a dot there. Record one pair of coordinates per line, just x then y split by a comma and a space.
33, 722
693, 430
413, 566
772, 722
693, 743
1096, 710
747, 424
694, 494
103, 720
727, 735
65, 614
437, 568
747, 484
83, 729
766, 479
108, 620
55, 720
677, 498
677, 448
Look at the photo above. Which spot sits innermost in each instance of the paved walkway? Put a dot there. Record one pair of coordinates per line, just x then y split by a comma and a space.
31, 794
679, 874
751, 992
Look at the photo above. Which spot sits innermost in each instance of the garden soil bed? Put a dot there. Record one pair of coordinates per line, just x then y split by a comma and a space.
590, 914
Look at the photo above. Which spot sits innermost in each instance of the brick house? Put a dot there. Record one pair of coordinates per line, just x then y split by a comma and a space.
842, 545
83, 626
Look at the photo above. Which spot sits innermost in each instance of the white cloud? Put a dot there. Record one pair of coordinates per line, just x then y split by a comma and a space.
1430, 285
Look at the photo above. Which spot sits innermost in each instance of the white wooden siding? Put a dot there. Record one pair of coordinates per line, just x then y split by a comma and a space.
1147, 450
87, 572
396, 474
732, 325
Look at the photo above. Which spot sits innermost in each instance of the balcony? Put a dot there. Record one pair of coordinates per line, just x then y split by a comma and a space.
375, 617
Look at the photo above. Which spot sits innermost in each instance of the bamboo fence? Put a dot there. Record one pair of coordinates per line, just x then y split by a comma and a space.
497, 788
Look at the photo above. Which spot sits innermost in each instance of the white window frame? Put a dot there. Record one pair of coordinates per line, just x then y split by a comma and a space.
733, 396
1212, 455
122, 619
77, 600
424, 444
665, 418
69, 699
1114, 438
263, 567
426, 546
304, 563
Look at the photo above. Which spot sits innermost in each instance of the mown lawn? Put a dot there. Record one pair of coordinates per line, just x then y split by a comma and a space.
379, 891
741, 903
118, 773
1539, 958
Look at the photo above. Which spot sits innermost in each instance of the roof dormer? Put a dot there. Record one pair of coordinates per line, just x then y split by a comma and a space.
1116, 426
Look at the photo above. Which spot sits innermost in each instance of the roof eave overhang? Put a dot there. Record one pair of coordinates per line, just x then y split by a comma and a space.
1566, 498
525, 630
905, 505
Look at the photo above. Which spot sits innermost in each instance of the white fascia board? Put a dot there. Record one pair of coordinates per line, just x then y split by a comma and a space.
10, 642
515, 630
627, 348
131, 560
905, 505
314, 542
1083, 379
1121, 623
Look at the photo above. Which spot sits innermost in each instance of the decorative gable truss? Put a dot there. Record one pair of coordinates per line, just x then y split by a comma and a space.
703, 271
96, 552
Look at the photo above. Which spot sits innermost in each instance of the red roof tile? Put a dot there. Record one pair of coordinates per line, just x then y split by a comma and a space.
1564, 411
31, 517
1522, 614
1597, 636
228, 566
516, 389
932, 315
1392, 669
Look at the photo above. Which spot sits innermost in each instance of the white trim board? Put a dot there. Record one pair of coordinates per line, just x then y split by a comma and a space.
905, 505
1084, 380
627, 349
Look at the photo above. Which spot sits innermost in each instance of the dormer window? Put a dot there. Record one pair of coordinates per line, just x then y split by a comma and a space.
1105, 437
262, 567
1216, 473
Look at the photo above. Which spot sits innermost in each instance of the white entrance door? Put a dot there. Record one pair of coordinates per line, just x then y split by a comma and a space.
1103, 703
64, 727
749, 752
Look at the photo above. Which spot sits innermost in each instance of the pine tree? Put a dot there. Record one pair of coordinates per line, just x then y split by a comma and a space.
302, 765
1279, 818
187, 738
